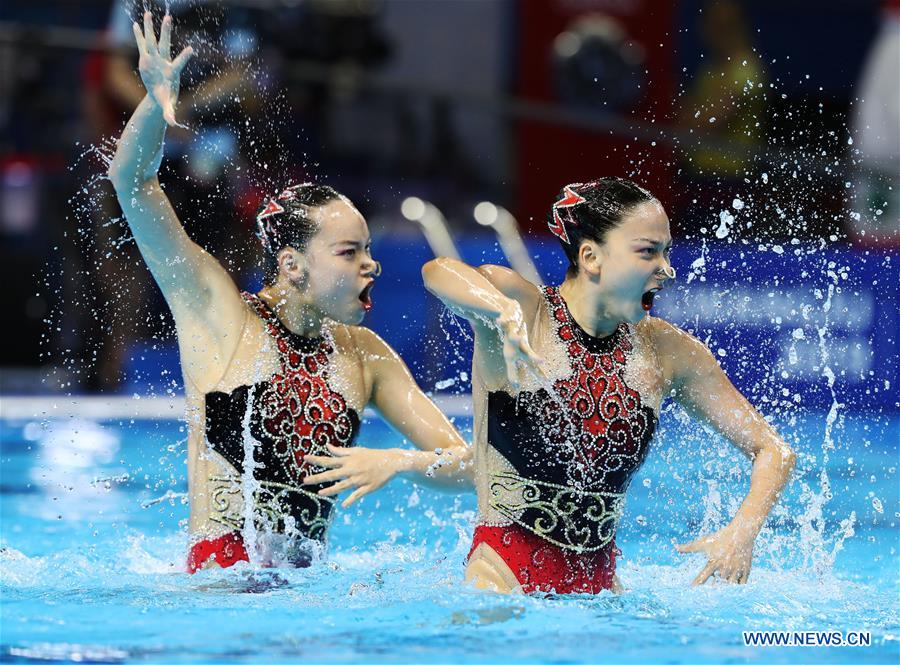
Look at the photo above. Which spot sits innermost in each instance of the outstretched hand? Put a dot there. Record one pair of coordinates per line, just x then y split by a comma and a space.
729, 552
161, 75
363, 470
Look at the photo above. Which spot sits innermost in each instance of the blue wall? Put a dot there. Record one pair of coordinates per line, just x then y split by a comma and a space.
763, 309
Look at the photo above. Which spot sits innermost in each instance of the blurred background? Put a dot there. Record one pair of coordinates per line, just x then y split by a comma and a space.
770, 130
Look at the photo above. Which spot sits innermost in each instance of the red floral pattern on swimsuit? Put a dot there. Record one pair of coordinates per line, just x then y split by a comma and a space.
298, 409
292, 414
604, 416
573, 447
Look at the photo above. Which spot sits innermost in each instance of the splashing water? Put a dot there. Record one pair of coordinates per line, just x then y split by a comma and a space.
392, 584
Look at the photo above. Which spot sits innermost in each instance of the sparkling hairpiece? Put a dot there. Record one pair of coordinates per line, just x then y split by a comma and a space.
264, 230
563, 206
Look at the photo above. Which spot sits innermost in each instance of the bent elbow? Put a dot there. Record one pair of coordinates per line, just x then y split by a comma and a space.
788, 460
124, 183
431, 271
785, 458
114, 173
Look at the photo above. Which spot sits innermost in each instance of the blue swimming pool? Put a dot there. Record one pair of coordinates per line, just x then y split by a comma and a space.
93, 545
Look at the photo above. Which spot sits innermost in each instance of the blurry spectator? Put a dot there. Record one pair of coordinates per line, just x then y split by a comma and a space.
875, 211
724, 106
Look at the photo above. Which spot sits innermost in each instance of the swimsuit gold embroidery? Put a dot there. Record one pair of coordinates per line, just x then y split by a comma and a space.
586, 519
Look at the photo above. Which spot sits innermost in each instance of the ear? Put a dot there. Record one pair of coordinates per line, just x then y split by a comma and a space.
292, 263
590, 258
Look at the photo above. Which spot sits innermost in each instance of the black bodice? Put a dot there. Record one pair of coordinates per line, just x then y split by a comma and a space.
293, 414
575, 448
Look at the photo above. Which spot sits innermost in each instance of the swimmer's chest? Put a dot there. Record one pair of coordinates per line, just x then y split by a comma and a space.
258, 359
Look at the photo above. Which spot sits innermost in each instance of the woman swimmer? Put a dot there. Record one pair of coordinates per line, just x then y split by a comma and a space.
556, 446
289, 365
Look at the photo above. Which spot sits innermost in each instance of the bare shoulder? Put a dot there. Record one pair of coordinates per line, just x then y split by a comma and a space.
364, 341
680, 353
667, 337
513, 285
210, 348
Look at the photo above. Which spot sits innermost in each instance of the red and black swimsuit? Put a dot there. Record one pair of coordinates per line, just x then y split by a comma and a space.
573, 451
293, 414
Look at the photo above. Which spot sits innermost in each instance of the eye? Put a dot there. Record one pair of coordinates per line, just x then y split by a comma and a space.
646, 251
348, 252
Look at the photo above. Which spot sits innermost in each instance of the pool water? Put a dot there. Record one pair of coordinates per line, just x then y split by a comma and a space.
93, 549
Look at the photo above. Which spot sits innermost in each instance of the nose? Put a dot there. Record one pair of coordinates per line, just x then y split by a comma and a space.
372, 268
666, 272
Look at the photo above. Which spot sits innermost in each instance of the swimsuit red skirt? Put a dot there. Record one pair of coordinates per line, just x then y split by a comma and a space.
540, 566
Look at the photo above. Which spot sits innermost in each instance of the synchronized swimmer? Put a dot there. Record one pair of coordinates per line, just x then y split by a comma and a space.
568, 380
290, 363
567, 386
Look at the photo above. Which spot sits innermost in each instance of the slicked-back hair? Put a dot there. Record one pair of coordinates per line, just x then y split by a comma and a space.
285, 221
606, 201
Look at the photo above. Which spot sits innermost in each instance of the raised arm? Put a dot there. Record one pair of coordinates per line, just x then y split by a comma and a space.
704, 390
443, 460
204, 301
495, 301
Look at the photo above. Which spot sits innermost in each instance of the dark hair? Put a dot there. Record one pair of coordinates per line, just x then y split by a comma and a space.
284, 221
588, 211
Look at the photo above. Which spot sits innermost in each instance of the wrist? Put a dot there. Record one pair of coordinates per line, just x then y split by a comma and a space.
748, 526
151, 102
401, 461
507, 309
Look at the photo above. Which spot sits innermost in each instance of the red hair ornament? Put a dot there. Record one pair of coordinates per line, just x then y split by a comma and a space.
264, 228
569, 199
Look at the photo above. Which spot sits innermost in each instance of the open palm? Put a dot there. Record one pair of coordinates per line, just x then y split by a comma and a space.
161, 75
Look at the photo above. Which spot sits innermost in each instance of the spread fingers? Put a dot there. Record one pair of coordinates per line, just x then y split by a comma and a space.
149, 33
165, 38
357, 494
705, 574
139, 37
337, 488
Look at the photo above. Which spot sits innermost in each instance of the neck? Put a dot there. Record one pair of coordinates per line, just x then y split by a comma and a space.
296, 313
587, 305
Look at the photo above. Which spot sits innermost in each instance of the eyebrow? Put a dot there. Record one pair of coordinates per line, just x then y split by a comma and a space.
653, 242
355, 243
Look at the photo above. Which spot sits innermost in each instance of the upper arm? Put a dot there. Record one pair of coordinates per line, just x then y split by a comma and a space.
482, 296
488, 346
199, 291
704, 390
513, 285
399, 399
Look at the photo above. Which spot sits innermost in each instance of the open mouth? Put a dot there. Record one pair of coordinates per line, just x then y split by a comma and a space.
647, 299
365, 296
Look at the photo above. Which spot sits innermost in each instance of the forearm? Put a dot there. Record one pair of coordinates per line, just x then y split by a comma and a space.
139, 151
448, 468
772, 469
155, 226
464, 290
